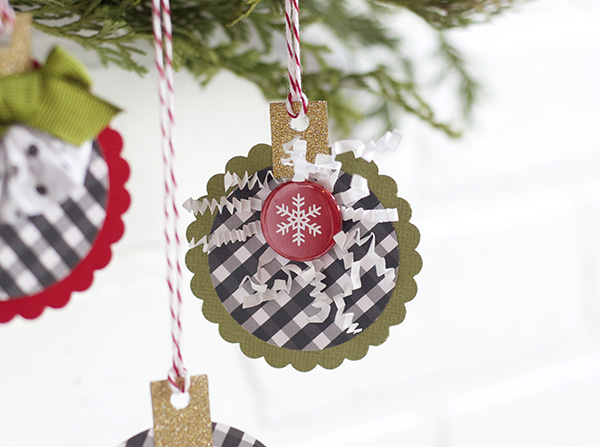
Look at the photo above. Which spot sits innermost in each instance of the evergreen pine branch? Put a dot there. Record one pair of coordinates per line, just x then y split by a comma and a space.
247, 38
454, 63
446, 14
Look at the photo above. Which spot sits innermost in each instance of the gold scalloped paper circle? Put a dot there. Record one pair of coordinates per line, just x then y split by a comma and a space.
385, 189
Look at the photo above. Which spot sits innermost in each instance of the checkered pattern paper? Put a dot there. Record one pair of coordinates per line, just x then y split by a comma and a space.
223, 436
42, 250
285, 322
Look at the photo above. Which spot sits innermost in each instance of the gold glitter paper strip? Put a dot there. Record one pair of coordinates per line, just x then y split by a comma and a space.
189, 427
16, 57
316, 134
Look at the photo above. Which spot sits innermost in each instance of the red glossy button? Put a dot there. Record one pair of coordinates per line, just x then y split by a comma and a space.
299, 220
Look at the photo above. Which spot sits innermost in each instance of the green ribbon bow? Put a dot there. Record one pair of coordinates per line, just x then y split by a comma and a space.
55, 99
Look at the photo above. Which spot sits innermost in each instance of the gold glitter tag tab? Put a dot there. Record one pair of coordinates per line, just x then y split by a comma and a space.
16, 57
316, 134
189, 427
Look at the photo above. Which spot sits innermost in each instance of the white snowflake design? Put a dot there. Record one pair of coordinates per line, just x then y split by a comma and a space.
298, 219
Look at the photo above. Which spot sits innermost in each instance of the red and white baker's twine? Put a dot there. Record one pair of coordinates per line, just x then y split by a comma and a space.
163, 45
292, 34
7, 17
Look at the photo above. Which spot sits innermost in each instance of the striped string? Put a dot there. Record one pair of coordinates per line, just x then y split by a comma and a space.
292, 34
7, 18
163, 46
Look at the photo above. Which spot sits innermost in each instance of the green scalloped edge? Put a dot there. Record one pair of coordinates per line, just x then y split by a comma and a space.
386, 190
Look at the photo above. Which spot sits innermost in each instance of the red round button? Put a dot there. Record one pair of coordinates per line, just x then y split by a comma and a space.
299, 220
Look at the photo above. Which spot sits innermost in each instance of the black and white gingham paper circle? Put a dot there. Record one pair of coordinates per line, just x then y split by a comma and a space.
223, 436
285, 323
42, 250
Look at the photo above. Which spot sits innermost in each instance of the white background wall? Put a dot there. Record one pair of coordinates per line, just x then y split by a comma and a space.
501, 347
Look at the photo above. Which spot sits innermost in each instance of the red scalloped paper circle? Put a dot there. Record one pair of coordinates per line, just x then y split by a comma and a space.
81, 277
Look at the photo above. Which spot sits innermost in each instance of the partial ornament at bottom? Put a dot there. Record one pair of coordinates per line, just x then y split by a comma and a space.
182, 418
222, 435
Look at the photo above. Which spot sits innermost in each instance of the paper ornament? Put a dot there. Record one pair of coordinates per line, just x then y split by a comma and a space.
223, 436
62, 190
190, 425
302, 253
307, 270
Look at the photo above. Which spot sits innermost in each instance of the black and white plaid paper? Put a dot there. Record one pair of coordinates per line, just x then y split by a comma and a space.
42, 250
285, 322
223, 436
